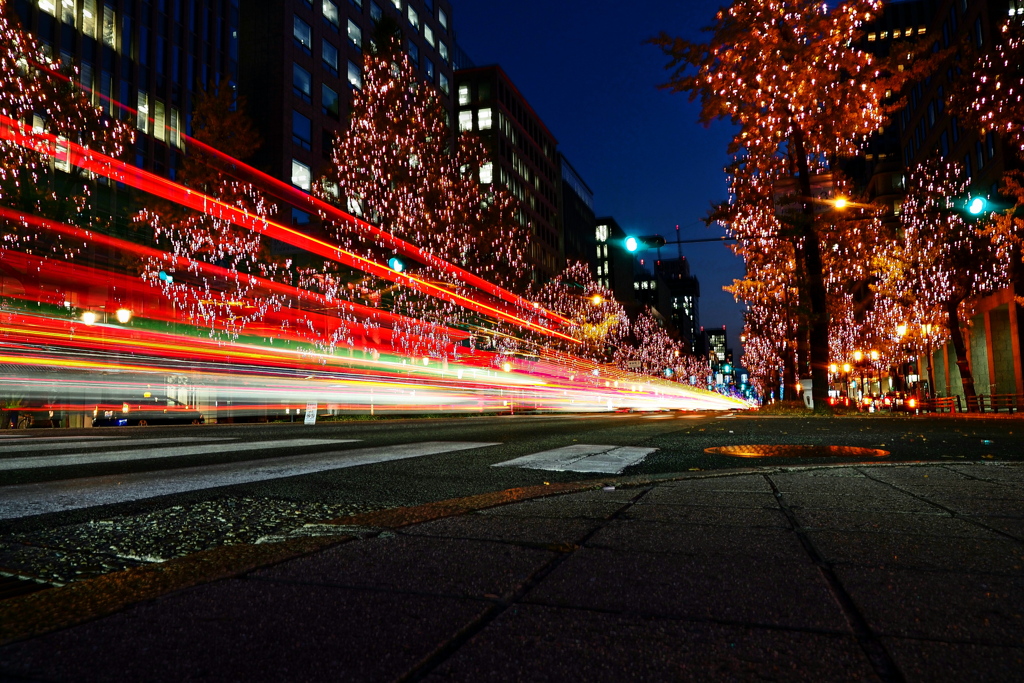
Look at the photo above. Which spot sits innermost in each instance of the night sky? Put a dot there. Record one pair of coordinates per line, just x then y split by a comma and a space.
584, 68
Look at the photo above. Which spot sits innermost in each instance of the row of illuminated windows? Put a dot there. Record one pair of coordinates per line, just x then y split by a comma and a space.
159, 121
88, 20
483, 119
897, 33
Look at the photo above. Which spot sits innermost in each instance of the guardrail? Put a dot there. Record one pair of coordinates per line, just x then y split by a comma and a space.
942, 404
999, 403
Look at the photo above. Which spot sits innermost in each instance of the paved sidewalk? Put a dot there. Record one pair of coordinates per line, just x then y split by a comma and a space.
839, 573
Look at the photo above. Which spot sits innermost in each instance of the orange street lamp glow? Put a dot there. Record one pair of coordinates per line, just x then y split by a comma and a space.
123, 315
840, 202
833, 368
858, 356
847, 367
89, 318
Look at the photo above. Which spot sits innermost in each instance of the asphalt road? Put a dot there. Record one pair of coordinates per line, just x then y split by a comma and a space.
75, 504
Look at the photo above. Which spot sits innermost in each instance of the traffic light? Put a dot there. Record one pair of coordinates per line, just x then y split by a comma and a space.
976, 205
395, 264
634, 244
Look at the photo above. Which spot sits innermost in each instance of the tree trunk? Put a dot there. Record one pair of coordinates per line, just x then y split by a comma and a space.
963, 363
817, 302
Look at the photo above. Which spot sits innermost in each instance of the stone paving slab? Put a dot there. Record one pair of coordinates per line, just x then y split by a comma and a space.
239, 630
539, 531
683, 495
948, 606
754, 483
767, 545
888, 502
928, 661
537, 643
435, 566
914, 551
705, 514
791, 595
931, 524
559, 507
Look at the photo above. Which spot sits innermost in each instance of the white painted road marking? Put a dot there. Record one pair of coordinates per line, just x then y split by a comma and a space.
34, 437
582, 458
153, 453
74, 494
40, 445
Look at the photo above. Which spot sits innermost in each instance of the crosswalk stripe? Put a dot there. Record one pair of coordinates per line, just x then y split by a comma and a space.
35, 499
155, 453
22, 447
582, 458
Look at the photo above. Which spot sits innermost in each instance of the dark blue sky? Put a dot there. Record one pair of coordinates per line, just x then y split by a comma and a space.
586, 71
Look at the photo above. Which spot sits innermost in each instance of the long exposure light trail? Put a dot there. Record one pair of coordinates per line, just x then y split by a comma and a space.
114, 169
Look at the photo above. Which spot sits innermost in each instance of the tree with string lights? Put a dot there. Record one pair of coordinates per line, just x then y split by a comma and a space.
791, 76
400, 167
946, 260
219, 121
596, 318
43, 95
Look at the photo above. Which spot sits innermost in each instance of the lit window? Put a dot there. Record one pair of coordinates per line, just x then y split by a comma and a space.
375, 11
331, 13
303, 34
442, 49
109, 37
89, 18
143, 109
428, 68
872, 37
397, 4
330, 56
602, 233
355, 34
443, 81
483, 119
465, 120
428, 33
67, 12
48, 6
355, 75
442, 18
414, 18
301, 176
302, 82
159, 122
487, 174
463, 94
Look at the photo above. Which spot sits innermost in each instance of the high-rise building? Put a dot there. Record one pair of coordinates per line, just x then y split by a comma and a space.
614, 264
301, 59
524, 158
576, 209
150, 57
678, 296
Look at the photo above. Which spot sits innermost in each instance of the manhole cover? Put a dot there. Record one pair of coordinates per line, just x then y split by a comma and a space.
796, 451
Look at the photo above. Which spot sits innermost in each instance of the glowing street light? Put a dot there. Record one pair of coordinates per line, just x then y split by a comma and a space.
89, 318
597, 299
840, 203
123, 315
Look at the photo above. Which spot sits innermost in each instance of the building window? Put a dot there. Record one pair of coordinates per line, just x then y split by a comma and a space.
483, 119
48, 6
442, 49
327, 148
89, 18
428, 33
355, 34
302, 130
302, 178
330, 11
375, 12
300, 218
414, 17
397, 4
358, 4
414, 53
428, 68
109, 37
355, 76
303, 35
330, 56
302, 82
463, 94
465, 120
442, 18
329, 102
143, 109
67, 12
487, 173
443, 81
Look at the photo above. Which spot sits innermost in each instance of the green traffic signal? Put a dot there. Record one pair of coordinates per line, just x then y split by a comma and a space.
395, 264
635, 244
976, 206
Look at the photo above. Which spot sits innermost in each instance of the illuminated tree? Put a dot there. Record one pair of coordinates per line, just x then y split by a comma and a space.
400, 167
948, 259
650, 350
219, 120
790, 75
40, 93
597, 319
